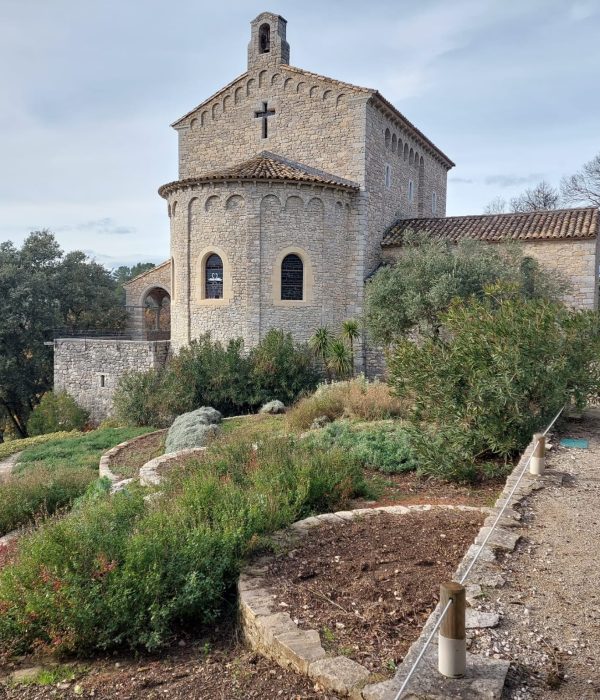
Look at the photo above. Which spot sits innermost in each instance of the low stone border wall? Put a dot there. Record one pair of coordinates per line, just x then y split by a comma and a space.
107, 459
275, 634
152, 471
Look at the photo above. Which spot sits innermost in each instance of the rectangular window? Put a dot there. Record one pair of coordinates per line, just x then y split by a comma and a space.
102, 381
388, 175
433, 202
411, 190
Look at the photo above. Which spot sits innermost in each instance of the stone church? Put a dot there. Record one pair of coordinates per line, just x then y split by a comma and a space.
293, 189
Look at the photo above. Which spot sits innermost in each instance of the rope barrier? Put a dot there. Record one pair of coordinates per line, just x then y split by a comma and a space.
473, 561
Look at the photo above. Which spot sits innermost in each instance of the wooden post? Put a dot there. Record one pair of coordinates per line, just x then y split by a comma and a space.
538, 459
452, 645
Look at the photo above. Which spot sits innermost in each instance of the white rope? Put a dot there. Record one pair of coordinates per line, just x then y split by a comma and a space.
475, 558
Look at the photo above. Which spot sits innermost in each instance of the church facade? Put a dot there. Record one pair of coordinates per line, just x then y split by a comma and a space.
293, 189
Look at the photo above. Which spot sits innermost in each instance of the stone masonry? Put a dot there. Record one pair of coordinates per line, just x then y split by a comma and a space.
89, 369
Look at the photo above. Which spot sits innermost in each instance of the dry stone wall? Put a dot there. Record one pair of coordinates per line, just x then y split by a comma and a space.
90, 370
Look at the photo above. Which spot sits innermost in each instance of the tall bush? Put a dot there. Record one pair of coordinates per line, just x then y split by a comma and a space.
226, 377
56, 412
501, 369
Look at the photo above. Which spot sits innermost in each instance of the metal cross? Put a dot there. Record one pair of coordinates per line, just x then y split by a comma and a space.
264, 115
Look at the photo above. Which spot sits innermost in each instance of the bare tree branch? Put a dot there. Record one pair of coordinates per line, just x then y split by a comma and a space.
584, 186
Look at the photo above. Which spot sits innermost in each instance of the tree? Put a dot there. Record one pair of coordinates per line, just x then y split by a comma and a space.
124, 273
584, 186
498, 205
542, 197
42, 289
320, 344
350, 333
411, 295
339, 358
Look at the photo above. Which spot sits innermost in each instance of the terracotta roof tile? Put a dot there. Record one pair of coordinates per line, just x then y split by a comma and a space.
264, 166
560, 224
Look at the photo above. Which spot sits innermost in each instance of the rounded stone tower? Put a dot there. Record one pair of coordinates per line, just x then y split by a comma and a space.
265, 244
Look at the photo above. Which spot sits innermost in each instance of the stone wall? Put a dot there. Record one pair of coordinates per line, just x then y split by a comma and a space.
390, 143
576, 261
89, 370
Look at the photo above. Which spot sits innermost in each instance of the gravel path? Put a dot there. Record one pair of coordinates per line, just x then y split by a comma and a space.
6, 466
550, 605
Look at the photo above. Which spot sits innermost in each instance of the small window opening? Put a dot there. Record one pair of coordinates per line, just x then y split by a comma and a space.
214, 277
388, 175
434, 202
292, 278
102, 381
264, 38
411, 190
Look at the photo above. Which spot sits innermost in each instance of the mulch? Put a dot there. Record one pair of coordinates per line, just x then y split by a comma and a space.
369, 586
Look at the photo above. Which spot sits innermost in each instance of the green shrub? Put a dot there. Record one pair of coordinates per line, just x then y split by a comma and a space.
385, 447
56, 411
207, 373
51, 475
120, 571
281, 369
11, 447
501, 370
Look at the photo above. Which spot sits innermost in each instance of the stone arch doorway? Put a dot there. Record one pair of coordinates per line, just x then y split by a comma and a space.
156, 303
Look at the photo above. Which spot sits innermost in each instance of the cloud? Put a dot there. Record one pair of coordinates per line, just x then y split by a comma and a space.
461, 180
102, 226
513, 180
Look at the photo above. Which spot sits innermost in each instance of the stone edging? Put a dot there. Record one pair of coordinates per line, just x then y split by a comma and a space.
274, 633
150, 473
277, 636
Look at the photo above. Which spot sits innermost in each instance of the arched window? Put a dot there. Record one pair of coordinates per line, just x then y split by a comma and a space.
214, 277
388, 136
264, 38
292, 278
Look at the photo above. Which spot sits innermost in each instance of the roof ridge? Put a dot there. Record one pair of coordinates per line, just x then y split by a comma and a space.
553, 224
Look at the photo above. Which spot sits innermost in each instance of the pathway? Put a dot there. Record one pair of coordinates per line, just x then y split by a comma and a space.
6, 466
550, 605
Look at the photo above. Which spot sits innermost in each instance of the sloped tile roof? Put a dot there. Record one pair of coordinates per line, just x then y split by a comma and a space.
264, 166
560, 224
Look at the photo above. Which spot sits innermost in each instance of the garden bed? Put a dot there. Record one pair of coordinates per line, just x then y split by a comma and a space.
369, 585
126, 460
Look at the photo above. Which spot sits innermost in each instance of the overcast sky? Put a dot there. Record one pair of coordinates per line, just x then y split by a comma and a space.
509, 89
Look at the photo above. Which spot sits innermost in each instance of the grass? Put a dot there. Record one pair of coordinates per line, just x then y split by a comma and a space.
11, 447
53, 675
51, 476
254, 428
357, 398
79, 452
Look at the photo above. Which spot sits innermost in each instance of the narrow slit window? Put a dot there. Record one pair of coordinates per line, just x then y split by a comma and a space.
411, 190
214, 277
292, 278
388, 175
102, 381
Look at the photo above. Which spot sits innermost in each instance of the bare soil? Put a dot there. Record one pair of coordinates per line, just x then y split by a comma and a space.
209, 669
132, 458
410, 489
368, 586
